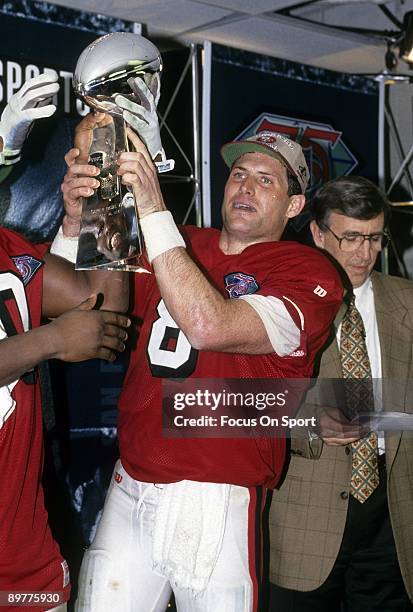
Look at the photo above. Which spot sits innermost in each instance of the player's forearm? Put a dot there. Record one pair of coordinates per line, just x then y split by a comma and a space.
192, 301
114, 286
209, 321
195, 305
64, 288
22, 352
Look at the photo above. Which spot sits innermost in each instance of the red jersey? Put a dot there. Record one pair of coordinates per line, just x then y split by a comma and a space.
309, 286
29, 557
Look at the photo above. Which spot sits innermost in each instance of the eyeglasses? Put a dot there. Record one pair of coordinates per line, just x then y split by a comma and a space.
352, 242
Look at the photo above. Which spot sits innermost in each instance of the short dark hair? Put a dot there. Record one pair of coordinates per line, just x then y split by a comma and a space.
352, 196
293, 184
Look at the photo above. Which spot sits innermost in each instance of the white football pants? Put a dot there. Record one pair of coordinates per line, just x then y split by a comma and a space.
117, 575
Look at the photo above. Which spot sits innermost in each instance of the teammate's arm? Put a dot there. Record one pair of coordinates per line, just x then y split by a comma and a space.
65, 288
81, 333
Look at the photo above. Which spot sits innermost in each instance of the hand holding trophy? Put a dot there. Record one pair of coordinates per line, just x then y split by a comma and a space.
118, 75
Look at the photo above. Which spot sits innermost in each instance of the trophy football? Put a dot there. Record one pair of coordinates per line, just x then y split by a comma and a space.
110, 236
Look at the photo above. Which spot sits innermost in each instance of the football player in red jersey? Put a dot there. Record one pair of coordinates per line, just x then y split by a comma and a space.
185, 514
36, 284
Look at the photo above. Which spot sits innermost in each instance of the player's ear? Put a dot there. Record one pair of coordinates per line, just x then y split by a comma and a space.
295, 206
317, 234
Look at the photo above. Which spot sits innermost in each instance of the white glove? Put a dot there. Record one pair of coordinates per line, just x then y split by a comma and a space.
29, 103
143, 117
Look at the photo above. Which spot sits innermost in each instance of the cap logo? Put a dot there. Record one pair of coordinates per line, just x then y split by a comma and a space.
271, 140
266, 138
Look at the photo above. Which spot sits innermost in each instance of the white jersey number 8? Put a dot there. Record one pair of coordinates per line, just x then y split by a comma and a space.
169, 352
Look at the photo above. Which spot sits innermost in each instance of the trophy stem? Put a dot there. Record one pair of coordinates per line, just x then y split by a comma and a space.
110, 236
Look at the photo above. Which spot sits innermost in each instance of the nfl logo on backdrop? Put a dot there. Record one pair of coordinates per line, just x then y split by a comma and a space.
326, 154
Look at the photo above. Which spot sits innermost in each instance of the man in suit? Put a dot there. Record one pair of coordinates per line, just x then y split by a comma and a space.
328, 548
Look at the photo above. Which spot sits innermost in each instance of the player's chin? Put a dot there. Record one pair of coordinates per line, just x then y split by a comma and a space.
242, 215
240, 224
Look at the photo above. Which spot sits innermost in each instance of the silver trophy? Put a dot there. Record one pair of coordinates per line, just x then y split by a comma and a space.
110, 236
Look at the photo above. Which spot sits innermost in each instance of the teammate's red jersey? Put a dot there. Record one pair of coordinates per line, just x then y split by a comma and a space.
311, 289
29, 557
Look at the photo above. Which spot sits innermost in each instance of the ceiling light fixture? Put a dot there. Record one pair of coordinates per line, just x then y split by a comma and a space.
400, 40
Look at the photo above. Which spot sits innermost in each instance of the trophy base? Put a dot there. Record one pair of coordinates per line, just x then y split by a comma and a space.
131, 264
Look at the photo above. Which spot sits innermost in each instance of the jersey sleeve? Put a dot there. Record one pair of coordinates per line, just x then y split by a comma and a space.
284, 334
311, 290
20, 282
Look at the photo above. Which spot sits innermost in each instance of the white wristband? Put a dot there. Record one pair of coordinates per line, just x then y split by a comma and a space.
160, 234
65, 246
9, 157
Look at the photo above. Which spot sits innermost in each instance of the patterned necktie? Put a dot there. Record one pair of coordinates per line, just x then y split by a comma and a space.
359, 397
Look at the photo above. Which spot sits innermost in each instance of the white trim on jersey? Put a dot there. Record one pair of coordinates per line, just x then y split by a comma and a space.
7, 403
300, 314
282, 332
12, 282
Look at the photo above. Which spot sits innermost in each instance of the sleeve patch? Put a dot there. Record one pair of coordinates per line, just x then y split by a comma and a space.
238, 284
27, 266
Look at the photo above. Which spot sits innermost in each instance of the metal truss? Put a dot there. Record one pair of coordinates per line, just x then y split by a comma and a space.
194, 168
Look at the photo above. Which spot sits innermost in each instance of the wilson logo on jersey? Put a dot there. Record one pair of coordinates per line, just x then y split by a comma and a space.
118, 477
320, 291
238, 284
27, 266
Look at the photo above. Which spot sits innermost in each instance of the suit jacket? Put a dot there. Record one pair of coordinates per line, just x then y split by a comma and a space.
308, 512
